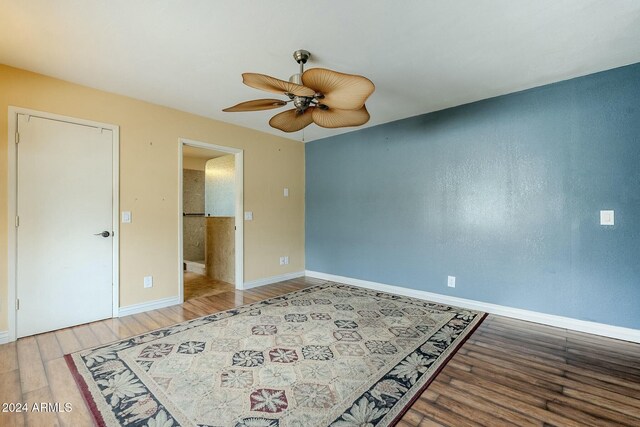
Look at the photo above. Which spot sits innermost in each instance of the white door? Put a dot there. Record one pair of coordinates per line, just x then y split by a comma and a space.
64, 198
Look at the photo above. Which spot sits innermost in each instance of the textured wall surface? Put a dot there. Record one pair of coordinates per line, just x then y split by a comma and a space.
193, 226
220, 199
504, 194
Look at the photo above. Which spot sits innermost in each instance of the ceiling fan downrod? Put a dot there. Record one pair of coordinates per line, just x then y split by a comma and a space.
301, 56
303, 102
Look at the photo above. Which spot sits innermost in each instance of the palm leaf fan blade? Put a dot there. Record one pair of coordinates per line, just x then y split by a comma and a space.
340, 90
256, 105
271, 84
292, 120
336, 118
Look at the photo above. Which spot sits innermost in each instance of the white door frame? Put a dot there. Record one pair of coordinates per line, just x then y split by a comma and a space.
239, 213
12, 184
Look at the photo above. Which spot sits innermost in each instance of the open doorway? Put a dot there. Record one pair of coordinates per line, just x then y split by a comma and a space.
211, 210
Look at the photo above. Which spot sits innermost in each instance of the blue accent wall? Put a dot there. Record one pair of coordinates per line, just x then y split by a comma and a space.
504, 194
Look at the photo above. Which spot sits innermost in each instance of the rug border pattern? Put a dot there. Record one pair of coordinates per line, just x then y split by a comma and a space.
452, 350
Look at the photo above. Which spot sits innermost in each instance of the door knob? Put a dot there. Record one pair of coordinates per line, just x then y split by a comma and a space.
103, 234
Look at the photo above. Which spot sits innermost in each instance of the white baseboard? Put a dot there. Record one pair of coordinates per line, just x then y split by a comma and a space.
4, 337
272, 279
147, 306
166, 302
602, 329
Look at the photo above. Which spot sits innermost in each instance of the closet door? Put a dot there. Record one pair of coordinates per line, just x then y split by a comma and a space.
64, 238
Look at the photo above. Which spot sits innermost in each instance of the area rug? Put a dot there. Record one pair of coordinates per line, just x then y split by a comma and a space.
329, 355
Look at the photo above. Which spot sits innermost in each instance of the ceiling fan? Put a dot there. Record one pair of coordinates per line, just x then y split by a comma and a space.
327, 98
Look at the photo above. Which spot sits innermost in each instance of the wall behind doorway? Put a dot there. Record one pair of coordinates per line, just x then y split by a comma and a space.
220, 187
220, 191
193, 185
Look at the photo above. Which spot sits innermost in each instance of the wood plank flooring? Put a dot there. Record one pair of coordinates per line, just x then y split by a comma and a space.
197, 285
508, 372
511, 372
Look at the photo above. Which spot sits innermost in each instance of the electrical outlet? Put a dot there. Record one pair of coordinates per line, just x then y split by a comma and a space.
281, 260
451, 281
148, 281
286, 260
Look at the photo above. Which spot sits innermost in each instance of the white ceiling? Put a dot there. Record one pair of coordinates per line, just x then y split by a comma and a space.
423, 55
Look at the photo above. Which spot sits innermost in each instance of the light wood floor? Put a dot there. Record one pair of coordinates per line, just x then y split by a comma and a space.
197, 285
508, 373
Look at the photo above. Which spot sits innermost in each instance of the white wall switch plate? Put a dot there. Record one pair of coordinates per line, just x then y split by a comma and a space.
286, 192
282, 260
607, 218
148, 281
451, 281
286, 260
126, 217
248, 216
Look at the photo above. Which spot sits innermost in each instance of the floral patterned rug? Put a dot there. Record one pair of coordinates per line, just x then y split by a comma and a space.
328, 355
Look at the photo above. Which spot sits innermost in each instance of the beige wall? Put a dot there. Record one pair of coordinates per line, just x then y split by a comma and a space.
194, 163
149, 182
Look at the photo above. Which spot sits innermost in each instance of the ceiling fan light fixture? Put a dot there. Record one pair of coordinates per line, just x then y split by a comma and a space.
327, 98
301, 102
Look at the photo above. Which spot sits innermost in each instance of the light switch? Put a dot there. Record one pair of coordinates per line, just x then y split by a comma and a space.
126, 217
607, 218
451, 281
248, 216
286, 192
